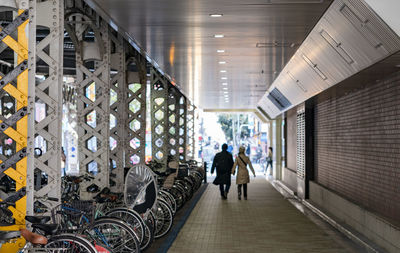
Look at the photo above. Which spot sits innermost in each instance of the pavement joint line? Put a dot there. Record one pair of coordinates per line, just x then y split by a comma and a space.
349, 234
179, 225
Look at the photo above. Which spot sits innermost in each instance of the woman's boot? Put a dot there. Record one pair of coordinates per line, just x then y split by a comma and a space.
239, 192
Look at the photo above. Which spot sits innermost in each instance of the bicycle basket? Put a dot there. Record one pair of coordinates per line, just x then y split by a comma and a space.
74, 215
140, 191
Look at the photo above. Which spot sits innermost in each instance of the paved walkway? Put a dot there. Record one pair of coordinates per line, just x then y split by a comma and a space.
266, 222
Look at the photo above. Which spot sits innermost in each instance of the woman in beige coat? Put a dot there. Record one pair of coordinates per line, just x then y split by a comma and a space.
242, 177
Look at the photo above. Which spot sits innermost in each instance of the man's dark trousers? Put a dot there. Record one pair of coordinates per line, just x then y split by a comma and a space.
222, 190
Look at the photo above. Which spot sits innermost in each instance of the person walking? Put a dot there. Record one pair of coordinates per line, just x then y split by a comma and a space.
223, 162
242, 178
269, 161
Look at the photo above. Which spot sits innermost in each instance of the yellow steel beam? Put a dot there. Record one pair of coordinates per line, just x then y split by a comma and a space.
20, 93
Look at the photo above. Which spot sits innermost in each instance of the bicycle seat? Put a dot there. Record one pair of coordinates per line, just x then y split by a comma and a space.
33, 237
48, 229
37, 219
8, 235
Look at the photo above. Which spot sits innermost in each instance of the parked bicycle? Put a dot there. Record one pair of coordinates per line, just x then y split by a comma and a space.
48, 239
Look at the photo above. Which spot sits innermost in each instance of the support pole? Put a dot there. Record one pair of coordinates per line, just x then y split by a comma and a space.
117, 112
135, 108
278, 148
182, 140
173, 122
48, 100
93, 97
17, 112
159, 116
190, 146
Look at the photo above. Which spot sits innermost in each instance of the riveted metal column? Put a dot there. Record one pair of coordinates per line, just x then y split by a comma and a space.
135, 108
173, 122
159, 116
93, 96
117, 112
16, 119
48, 100
182, 113
190, 146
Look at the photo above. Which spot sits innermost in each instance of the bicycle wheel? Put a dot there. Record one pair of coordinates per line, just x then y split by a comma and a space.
69, 243
169, 198
188, 188
181, 190
131, 217
148, 232
115, 235
178, 196
164, 218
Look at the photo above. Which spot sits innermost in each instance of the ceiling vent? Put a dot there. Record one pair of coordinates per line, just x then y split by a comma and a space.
278, 99
349, 38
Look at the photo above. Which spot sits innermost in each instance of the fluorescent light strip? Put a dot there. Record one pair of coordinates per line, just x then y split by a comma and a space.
216, 15
222, 62
222, 71
224, 78
219, 36
220, 51
224, 83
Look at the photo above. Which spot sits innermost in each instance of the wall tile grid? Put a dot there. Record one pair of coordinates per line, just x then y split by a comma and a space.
357, 146
291, 119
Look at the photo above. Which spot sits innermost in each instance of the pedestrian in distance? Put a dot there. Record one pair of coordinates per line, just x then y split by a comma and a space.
269, 161
223, 162
242, 177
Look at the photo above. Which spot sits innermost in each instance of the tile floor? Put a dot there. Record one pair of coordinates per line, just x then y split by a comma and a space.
266, 222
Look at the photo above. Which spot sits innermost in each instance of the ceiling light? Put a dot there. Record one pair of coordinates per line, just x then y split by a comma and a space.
225, 88
224, 78
225, 92
224, 83
216, 15
222, 71
222, 62
218, 36
220, 51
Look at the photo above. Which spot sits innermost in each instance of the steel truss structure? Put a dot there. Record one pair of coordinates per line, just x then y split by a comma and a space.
176, 123
117, 112
48, 104
110, 84
17, 110
127, 109
159, 116
173, 122
135, 108
182, 114
93, 95
190, 128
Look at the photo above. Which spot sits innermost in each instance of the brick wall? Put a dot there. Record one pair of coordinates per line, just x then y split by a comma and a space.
357, 145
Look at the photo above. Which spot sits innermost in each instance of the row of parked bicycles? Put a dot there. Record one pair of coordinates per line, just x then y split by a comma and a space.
112, 222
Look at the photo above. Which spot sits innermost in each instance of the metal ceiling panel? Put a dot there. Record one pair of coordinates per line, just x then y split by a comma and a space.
349, 38
179, 36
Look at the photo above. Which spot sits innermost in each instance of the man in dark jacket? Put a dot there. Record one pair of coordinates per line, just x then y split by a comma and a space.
223, 161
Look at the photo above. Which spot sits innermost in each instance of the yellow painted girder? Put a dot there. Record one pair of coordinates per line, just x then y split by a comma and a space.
20, 93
